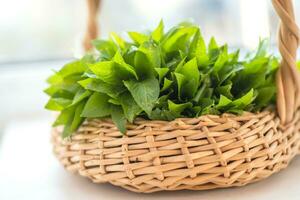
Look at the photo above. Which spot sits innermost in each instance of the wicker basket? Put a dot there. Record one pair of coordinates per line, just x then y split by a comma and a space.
194, 153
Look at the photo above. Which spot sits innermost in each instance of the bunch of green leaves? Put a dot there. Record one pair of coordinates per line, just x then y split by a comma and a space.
161, 76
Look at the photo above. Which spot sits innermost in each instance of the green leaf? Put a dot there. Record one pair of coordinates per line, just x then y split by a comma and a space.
138, 38
121, 64
265, 95
56, 91
180, 79
212, 45
64, 116
162, 72
213, 50
198, 49
158, 33
118, 40
112, 72
130, 107
152, 52
114, 101
75, 67
106, 48
145, 93
177, 38
200, 93
177, 109
56, 78
58, 104
65, 90
228, 71
225, 90
235, 111
118, 118
97, 106
244, 100
222, 59
208, 106
74, 121
159, 114
67, 128
100, 86
77, 121
262, 48
253, 76
106, 71
80, 95
233, 57
162, 101
146, 59
129, 55
192, 75
84, 83
256, 65
180, 65
190, 70
142, 65
224, 101
166, 85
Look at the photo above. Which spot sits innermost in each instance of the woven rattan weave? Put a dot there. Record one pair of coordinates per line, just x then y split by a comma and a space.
189, 153
195, 153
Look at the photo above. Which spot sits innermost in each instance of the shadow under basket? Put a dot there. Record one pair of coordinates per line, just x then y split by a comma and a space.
187, 153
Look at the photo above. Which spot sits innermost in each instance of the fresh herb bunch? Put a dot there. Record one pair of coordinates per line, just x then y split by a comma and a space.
160, 76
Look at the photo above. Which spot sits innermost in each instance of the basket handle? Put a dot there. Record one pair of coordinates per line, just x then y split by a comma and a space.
287, 78
92, 23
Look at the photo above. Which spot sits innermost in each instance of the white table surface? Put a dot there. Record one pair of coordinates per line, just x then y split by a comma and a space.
28, 170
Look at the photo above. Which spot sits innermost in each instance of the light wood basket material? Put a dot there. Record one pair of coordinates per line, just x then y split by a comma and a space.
189, 153
193, 153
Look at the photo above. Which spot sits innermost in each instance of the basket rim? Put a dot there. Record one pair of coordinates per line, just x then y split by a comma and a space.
246, 115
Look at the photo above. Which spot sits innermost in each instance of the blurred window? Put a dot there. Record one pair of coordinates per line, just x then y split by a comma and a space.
33, 30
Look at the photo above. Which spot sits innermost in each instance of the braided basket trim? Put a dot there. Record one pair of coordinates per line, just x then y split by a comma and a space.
288, 77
